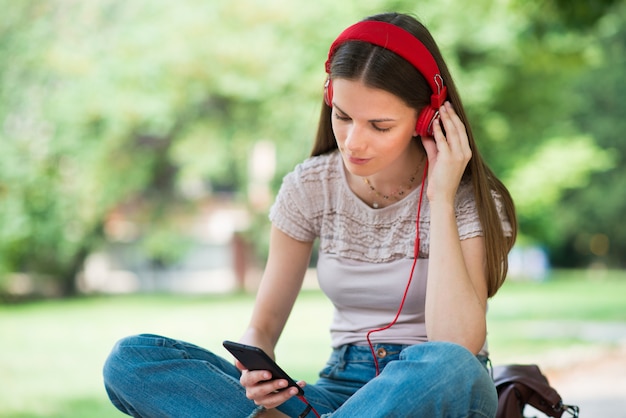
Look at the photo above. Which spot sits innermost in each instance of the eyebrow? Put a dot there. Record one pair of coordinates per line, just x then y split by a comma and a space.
370, 120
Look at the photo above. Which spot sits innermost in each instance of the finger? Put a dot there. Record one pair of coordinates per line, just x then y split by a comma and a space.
448, 123
438, 134
461, 129
251, 378
453, 115
455, 130
239, 365
453, 120
271, 394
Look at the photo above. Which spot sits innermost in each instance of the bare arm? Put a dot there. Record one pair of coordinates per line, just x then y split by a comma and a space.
456, 295
282, 279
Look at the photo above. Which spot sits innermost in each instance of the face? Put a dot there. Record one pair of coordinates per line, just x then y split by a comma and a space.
373, 128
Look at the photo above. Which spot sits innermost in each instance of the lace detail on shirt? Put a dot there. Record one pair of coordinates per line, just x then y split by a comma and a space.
315, 202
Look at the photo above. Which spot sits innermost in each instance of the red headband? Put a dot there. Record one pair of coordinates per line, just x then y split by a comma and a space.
401, 42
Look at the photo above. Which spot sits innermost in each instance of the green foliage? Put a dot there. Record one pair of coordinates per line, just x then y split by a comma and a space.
165, 247
539, 183
154, 105
591, 216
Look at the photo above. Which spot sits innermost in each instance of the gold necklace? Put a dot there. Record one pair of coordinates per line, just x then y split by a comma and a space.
395, 196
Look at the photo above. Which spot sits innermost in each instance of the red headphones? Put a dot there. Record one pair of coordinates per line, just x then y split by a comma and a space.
407, 46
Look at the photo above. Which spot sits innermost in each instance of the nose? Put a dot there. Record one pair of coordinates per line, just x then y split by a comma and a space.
355, 139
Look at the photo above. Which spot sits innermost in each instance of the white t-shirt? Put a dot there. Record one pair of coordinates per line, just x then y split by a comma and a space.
365, 254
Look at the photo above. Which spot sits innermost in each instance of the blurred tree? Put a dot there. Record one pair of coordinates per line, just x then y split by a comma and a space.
518, 65
552, 156
109, 104
33, 215
591, 217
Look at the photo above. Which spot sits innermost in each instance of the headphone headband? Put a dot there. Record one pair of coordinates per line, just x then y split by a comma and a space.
398, 40
407, 46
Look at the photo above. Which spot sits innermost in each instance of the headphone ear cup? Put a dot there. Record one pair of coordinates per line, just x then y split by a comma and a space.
328, 92
425, 120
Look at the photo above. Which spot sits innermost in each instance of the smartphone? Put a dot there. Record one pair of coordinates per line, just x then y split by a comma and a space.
256, 359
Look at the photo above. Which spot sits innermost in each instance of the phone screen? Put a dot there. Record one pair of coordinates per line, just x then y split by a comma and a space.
256, 359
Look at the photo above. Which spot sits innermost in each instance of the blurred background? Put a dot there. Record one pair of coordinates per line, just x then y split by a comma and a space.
142, 143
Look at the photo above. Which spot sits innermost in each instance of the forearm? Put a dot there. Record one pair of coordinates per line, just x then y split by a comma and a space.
455, 304
271, 311
282, 279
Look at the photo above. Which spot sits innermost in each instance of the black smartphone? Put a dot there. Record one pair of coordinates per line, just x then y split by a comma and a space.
256, 359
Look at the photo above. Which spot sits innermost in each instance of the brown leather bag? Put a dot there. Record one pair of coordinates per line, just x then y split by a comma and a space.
521, 385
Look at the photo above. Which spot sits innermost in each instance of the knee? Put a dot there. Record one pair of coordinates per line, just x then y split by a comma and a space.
124, 360
117, 363
447, 361
452, 368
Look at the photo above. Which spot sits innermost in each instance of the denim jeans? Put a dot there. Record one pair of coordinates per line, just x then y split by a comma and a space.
153, 376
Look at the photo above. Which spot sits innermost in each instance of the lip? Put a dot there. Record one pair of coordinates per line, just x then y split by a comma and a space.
358, 161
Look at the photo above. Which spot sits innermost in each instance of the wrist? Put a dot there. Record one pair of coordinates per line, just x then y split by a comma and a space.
255, 337
441, 205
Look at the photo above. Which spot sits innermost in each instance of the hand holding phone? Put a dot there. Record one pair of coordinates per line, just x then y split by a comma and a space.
253, 358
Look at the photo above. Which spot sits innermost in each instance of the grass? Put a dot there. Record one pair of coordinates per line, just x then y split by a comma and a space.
573, 309
51, 352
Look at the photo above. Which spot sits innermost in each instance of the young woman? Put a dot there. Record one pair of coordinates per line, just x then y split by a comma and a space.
414, 232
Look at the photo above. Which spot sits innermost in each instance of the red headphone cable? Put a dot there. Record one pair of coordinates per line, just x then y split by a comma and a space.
308, 409
408, 285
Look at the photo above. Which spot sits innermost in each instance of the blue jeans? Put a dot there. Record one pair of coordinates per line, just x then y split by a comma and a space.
153, 376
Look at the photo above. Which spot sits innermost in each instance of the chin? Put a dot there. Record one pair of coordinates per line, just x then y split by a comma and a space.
357, 169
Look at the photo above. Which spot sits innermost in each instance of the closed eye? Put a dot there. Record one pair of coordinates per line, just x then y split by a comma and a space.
341, 118
339, 115
379, 129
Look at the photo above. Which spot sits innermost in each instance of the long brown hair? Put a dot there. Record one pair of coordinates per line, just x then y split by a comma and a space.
380, 68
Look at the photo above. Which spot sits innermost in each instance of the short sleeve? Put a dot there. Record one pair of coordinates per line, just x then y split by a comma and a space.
293, 209
467, 218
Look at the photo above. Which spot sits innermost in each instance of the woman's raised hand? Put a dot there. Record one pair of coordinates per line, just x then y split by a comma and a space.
448, 153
